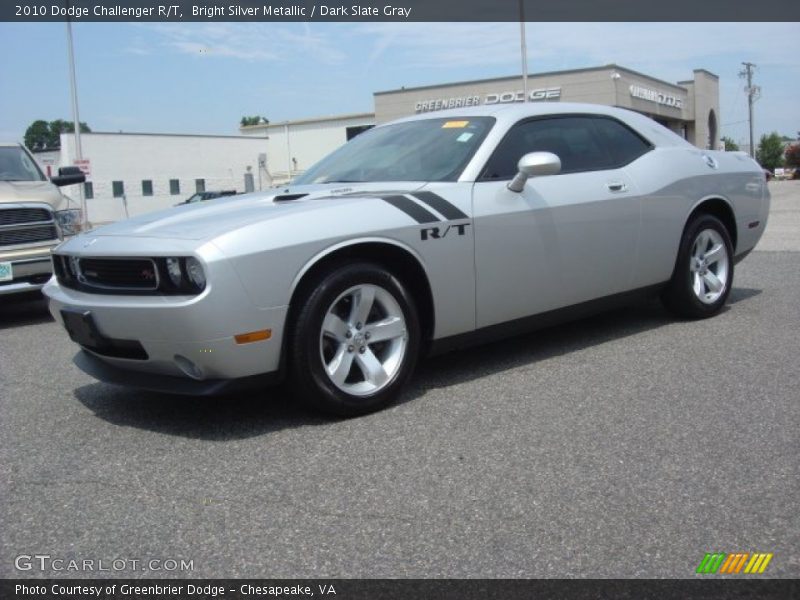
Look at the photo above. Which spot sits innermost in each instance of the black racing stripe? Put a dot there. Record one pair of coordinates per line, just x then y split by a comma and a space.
440, 205
411, 208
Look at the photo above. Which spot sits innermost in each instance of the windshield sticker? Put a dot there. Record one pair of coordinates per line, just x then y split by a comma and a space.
455, 124
464, 136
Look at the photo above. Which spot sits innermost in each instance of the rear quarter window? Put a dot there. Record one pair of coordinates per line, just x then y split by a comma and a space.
621, 142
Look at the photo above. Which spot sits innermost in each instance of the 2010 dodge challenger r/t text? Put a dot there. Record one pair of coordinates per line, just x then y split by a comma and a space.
417, 236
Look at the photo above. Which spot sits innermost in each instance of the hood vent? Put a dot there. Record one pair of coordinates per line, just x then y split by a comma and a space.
287, 197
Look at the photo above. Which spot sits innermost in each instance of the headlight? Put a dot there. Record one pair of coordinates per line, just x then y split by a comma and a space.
69, 221
174, 271
194, 270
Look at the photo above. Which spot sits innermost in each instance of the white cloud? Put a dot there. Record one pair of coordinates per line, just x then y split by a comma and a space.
666, 45
251, 42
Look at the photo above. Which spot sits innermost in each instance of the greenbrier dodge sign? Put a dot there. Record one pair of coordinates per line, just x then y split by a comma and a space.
493, 98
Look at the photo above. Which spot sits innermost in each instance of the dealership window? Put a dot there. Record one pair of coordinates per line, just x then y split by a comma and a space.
147, 187
88, 190
174, 187
199, 185
118, 189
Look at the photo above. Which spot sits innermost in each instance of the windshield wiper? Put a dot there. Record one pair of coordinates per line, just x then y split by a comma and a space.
344, 181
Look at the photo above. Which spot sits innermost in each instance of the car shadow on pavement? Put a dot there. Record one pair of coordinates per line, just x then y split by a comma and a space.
739, 294
23, 309
219, 418
244, 415
550, 342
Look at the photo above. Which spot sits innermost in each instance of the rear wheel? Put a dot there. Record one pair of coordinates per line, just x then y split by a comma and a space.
703, 273
355, 340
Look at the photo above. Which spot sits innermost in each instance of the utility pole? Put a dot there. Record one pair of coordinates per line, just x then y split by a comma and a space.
523, 49
753, 93
76, 120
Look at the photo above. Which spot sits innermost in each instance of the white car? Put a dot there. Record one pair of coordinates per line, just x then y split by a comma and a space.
417, 236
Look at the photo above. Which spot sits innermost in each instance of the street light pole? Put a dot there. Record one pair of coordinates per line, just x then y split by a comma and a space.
76, 120
523, 49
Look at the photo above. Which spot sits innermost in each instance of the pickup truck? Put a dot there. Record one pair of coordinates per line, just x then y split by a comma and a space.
34, 218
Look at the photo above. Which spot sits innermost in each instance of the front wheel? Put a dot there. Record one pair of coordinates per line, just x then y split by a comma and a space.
355, 340
703, 273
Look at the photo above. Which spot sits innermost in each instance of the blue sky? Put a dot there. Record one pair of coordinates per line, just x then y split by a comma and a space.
202, 77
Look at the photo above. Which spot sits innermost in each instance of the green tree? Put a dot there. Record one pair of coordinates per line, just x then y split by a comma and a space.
792, 156
770, 151
37, 136
254, 120
42, 135
730, 145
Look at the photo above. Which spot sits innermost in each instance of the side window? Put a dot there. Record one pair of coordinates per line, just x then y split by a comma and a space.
623, 144
573, 139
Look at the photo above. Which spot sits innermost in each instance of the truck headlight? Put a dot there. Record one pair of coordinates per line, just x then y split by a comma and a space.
69, 221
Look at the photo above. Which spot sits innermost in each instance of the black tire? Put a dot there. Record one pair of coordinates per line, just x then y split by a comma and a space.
680, 296
308, 376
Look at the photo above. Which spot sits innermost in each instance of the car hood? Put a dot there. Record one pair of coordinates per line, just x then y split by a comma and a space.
203, 220
30, 191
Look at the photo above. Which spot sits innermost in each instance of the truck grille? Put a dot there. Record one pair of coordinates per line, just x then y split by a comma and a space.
14, 216
121, 274
28, 235
21, 225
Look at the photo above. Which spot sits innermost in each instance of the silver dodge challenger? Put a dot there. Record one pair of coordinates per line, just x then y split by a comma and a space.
416, 237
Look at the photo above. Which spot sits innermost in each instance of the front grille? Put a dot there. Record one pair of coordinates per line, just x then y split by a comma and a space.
121, 274
28, 235
17, 216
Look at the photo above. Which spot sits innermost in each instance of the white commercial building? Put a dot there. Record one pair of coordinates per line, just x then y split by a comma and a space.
132, 173
294, 146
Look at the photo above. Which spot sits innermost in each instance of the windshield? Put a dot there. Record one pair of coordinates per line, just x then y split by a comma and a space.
16, 165
427, 150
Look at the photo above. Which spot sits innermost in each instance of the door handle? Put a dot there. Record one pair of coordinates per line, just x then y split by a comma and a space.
616, 186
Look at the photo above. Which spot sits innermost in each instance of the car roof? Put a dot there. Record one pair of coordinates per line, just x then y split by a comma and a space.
520, 110
508, 114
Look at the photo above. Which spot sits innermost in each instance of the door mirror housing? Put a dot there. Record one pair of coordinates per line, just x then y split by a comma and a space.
68, 176
534, 164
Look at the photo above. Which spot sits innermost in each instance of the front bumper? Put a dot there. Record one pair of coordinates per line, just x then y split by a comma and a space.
103, 371
30, 273
172, 330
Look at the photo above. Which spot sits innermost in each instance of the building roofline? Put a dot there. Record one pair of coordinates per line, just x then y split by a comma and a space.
308, 120
544, 74
714, 75
149, 133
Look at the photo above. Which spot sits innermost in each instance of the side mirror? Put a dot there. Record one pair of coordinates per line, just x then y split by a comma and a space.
534, 164
68, 176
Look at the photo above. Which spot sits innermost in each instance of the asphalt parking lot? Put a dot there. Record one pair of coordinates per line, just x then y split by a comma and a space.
625, 445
